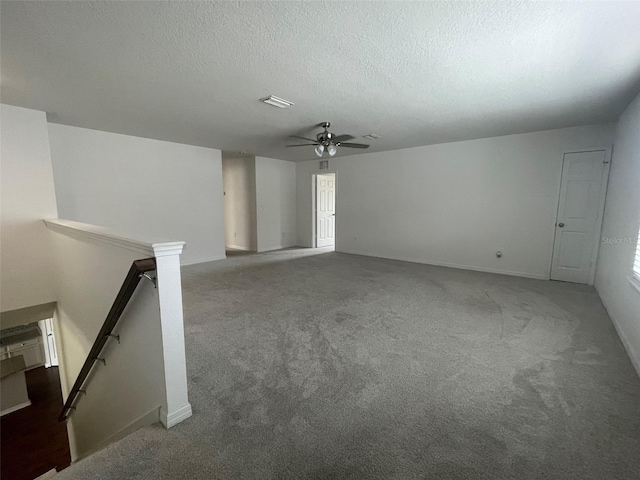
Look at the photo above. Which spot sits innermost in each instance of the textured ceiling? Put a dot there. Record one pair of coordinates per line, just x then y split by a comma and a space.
415, 73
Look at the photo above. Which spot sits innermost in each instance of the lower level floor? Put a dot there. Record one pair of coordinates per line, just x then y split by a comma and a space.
33, 441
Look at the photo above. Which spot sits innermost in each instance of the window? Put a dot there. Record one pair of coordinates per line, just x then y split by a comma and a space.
636, 261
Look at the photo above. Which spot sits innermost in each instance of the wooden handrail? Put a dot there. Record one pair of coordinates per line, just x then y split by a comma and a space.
137, 270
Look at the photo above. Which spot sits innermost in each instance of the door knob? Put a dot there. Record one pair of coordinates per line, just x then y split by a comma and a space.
561, 225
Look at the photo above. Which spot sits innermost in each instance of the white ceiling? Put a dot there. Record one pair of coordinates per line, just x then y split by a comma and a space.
415, 73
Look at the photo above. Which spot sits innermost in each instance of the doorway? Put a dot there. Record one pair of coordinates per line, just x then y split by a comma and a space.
240, 213
579, 216
326, 210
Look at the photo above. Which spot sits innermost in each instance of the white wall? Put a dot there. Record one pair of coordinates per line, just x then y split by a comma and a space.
141, 186
27, 196
620, 227
453, 204
276, 203
239, 181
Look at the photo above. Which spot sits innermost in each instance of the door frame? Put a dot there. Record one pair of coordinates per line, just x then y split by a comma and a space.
603, 195
314, 206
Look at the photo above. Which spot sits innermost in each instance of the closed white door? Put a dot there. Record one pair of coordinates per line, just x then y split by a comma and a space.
579, 219
326, 210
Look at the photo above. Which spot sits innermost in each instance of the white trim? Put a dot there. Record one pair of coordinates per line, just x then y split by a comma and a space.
148, 418
167, 248
450, 265
608, 150
274, 248
45, 476
94, 233
238, 247
635, 361
314, 207
175, 417
603, 200
635, 265
314, 182
15, 408
635, 282
203, 260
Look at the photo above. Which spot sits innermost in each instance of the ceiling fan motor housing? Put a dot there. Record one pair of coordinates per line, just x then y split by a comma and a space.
325, 138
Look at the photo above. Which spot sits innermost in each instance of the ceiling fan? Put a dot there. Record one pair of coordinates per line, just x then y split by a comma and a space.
328, 142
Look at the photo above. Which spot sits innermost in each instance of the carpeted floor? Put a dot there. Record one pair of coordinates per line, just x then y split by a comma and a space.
304, 364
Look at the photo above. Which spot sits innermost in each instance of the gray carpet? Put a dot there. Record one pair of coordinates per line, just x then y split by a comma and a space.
306, 365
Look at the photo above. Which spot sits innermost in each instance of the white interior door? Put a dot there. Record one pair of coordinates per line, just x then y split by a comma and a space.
325, 210
49, 343
579, 220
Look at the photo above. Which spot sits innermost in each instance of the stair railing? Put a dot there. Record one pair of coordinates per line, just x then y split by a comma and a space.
139, 269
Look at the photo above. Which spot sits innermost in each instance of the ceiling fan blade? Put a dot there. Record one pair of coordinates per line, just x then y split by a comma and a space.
303, 145
354, 145
304, 138
342, 138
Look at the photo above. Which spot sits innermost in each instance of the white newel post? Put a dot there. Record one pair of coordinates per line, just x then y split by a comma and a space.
155, 325
176, 407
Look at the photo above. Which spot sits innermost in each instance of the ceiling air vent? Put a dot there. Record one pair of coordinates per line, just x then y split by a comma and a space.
372, 136
276, 101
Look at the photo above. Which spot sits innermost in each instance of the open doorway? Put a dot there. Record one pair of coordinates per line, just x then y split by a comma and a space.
325, 210
239, 184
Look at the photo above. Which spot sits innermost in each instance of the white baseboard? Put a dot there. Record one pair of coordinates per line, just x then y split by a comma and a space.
270, 249
277, 247
635, 361
15, 408
50, 474
179, 415
451, 265
238, 247
203, 260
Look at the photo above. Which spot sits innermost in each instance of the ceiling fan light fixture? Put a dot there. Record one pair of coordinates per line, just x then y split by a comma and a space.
331, 150
319, 150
